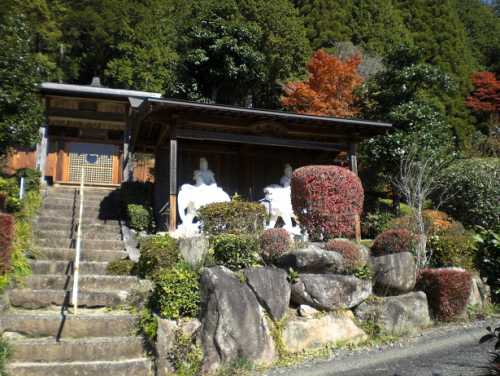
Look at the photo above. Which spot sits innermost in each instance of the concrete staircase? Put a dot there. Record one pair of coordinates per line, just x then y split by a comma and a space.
46, 339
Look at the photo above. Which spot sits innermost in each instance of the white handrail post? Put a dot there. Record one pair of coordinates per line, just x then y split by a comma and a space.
76, 266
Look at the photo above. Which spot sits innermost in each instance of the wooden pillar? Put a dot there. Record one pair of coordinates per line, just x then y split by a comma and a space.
173, 185
353, 159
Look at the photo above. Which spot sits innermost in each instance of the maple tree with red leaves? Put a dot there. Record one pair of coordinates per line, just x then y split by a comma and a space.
329, 90
486, 96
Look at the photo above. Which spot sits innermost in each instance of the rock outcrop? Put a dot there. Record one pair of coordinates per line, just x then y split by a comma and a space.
311, 333
233, 323
313, 259
394, 274
330, 291
396, 314
271, 288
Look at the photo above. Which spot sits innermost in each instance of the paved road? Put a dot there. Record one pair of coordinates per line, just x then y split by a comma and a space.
462, 360
440, 353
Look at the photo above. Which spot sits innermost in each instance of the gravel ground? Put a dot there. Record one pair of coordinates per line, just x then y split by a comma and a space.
446, 350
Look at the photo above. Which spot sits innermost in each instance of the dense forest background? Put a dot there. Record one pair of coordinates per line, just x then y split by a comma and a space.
418, 56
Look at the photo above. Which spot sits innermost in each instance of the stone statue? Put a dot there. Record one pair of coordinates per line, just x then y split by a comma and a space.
192, 197
204, 175
278, 203
286, 179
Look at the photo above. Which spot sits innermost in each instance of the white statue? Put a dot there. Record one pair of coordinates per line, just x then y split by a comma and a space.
192, 197
278, 202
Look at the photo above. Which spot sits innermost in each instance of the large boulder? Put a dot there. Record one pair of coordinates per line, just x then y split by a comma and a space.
330, 291
394, 274
271, 287
312, 259
165, 341
396, 314
480, 293
234, 325
311, 333
193, 249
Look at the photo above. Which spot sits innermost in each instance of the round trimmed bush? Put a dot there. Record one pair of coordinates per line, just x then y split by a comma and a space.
157, 252
447, 291
235, 251
474, 187
326, 200
436, 223
274, 242
350, 252
393, 241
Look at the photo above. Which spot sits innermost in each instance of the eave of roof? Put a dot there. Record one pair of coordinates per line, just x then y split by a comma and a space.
93, 91
271, 114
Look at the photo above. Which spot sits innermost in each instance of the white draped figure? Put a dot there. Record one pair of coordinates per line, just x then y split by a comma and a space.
278, 202
192, 197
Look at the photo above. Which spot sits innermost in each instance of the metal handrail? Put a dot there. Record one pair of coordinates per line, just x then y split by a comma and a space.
76, 266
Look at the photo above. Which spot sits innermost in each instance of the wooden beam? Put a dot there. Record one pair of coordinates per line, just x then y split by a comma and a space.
191, 134
353, 159
173, 185
86, 115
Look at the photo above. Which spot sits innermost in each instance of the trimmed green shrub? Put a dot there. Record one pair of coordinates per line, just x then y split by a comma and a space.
139, 217
177, 292
235, 251
351, 253
234, 217
373, 224
9, 186
121, 267
452, 250
447, 291
157, 252
393, 241
488, 259
474, 189
274, 242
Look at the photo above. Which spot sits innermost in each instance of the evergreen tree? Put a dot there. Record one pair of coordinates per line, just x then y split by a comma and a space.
145, 57
374, 25
21, 71
483, 32
234, 49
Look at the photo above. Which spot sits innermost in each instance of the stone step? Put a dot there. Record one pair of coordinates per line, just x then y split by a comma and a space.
130, 367
88, 214
82, 349
87, 233
85, 282
52, 324
88, 192
69, 201
66, 267
35, 299
116, 245
68, 254
55, 218
66, 227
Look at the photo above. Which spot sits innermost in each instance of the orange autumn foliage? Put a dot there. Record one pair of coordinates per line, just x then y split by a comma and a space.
329, 90
486, 95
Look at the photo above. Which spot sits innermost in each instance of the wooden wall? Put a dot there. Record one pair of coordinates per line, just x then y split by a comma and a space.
19, 159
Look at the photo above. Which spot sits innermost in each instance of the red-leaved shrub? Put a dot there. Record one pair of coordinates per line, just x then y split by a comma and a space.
353, 257
274, 242
6, 238
393, 241
447, 291
326, 200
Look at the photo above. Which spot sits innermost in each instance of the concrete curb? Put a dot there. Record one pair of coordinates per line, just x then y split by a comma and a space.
372, 358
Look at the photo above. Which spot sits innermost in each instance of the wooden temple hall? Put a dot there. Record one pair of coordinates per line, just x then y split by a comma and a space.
103, 129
